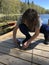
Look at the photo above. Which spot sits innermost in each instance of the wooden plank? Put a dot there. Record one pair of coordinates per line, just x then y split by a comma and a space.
41, 53
34, 64
13, 61
37, 42
10, 34
8, 45
35, 50
4, 58
16, 53
22, 55
40, 60
19, 35
1, 64
6, 36
42, 44
9, 60
42, 48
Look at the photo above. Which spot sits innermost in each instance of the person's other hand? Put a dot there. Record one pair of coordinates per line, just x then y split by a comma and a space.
26, 44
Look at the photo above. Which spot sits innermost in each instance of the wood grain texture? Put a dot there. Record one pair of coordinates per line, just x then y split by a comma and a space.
36, 54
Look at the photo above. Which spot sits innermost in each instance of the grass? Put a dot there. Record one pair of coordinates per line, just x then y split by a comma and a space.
2, 24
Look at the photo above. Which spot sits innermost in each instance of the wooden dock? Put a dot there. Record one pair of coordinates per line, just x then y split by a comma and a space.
36, 54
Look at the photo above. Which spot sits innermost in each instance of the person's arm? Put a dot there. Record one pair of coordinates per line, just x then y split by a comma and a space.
16, 28
37, 30
26, 44
14, 34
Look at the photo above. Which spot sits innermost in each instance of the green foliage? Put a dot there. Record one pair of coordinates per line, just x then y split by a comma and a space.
16, 7
10, 6
8, 18
39, 9
47, 11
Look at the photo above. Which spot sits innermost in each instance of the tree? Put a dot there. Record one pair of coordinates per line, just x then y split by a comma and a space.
16, 7
0, 5
10, 6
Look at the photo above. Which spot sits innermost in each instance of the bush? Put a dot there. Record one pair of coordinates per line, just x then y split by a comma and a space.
7, 18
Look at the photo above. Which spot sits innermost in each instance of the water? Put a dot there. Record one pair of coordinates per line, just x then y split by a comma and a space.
45, 18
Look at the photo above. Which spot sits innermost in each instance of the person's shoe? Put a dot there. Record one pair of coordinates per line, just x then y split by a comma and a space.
46, 41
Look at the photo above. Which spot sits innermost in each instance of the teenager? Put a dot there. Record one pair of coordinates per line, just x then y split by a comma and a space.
31, 22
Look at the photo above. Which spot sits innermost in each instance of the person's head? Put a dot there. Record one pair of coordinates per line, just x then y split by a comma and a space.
30, 17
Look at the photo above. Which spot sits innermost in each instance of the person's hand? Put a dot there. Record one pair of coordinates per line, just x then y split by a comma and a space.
16, 41
26, 44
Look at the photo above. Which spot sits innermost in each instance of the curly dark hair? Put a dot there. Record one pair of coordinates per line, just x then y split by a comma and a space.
31, 17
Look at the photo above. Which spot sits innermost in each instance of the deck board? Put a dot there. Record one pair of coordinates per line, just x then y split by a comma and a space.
1, 64
36, 54
9, 60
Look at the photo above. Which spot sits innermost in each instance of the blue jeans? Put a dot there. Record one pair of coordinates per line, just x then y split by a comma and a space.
24, 29
45, 30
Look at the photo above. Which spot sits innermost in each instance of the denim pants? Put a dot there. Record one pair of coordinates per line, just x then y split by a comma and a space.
24, 29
